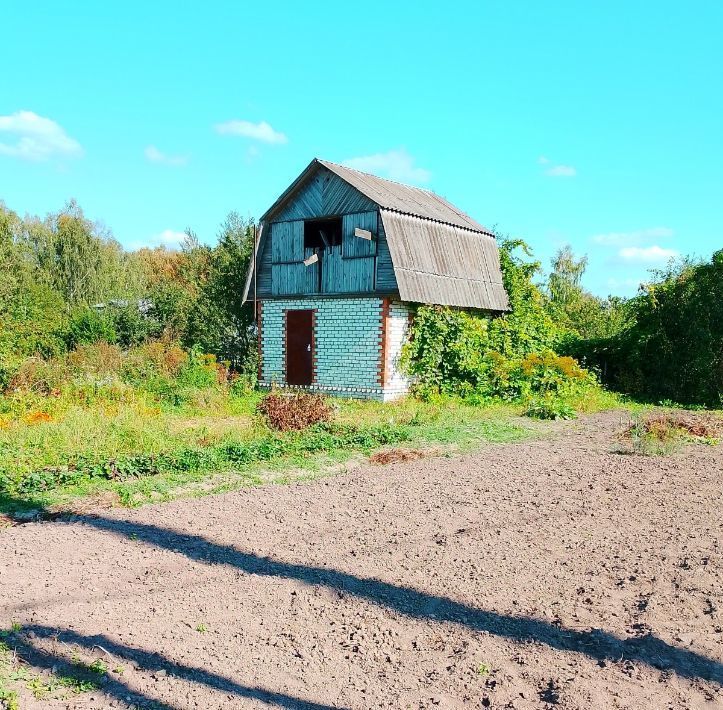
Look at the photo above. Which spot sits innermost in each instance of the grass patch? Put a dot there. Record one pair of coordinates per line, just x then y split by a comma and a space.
79, 677
130, 448
68, 472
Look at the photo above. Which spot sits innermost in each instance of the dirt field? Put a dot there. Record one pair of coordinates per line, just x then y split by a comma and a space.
551, 573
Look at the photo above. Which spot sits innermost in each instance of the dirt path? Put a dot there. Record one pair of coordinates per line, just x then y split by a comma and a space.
545, 574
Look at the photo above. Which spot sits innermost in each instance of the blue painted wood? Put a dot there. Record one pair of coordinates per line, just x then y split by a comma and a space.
355, 246
323, 194
263, 269
340, 197
349, 268
287, 241
305, 203
386, 281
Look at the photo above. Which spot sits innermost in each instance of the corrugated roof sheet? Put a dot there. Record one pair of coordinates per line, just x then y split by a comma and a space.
404, 198
444, 264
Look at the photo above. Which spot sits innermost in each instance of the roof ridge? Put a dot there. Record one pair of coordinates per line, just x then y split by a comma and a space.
378, 177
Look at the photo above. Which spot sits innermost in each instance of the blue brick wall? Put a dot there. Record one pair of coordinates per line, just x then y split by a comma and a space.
347, 344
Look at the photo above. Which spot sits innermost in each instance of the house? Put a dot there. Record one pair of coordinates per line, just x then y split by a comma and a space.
340, 260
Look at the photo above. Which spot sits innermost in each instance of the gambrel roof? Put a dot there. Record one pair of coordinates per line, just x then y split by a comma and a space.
440, 255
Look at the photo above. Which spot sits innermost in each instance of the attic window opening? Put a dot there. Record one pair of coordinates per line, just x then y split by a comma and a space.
320, 233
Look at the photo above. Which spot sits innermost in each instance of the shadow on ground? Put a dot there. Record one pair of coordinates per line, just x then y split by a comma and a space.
23, 644
596, 644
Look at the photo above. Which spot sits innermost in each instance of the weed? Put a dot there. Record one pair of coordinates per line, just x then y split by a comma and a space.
287, 411
387, 456
201, 628
663, 433
483, 669
41, 686
550, 409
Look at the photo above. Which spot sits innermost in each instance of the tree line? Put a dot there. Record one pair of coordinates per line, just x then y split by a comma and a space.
66, 281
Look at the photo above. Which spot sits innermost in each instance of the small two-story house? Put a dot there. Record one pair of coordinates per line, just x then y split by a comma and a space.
340, 259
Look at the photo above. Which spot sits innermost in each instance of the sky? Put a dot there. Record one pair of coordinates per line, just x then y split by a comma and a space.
597, 125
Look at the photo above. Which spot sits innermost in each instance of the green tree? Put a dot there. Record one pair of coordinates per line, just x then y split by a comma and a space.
219, 322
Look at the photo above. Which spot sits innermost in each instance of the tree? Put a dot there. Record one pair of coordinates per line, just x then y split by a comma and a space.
577, 311
219, 321
564, 280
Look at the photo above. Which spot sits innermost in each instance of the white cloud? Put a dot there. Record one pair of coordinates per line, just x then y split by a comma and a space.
168, 238
561, 171
394, 164
34, 137
556, 169
261, 131
646, 255
156, 156
634, 238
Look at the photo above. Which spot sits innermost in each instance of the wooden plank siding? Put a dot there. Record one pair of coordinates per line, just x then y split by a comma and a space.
323, 195
353, 246
350, 268
386, 281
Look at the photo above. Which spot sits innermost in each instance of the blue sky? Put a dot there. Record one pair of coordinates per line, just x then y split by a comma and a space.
594, 124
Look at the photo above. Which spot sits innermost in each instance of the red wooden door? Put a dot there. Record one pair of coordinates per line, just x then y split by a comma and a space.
299, 347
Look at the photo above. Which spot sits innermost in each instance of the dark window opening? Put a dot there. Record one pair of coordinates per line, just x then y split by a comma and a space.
322, 233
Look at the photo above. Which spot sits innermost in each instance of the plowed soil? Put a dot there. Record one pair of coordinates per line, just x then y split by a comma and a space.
552, 573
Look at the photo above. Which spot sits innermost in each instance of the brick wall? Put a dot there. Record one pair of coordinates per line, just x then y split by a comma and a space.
398, 320
353, 338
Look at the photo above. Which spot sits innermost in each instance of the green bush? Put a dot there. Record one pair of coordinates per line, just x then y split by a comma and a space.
88, 326
549, 408
673, 348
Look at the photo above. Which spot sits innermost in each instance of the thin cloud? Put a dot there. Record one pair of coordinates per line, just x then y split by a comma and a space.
36, 138
646, 255
561, 171
394, 164
168, 238
556, 169
156, 156
634, 238
261, 131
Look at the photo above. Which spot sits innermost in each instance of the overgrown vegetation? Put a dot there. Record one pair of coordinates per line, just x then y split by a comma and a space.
512, 357
66, 282
662, 433
670, 346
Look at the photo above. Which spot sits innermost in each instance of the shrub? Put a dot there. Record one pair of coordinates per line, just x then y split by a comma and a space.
88, 326
100, 359
158, 358
549, 409
285, 411
40, 376
673, 347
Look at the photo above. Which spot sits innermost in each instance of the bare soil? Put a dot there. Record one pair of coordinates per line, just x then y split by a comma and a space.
546, 574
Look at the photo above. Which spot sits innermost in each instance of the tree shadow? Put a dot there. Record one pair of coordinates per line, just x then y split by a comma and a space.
114, 686
596, 644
